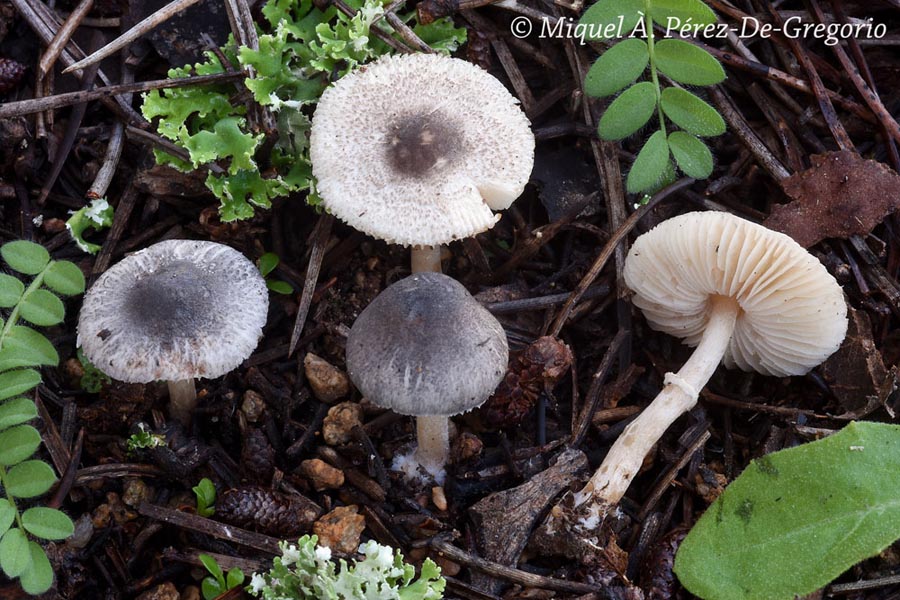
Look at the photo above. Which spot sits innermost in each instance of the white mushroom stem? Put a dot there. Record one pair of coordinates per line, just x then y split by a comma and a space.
182, 400
433, 450
624, 460
426, 259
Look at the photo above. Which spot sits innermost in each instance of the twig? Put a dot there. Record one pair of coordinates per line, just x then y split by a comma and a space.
542, 302
120, 221
27, 107
607, 252
319, 240
148, 24
509, 573
670, 474
62, 36
597, 381
206, 526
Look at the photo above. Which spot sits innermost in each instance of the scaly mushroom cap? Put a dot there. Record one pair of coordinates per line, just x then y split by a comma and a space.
418, 149
177, 310
425, 346
793, 314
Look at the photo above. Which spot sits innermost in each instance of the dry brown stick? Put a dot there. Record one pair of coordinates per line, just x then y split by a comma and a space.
403, 30
593, 396
115, 471
542, 302
831, 118
62, 36
509, 573
743, 130
147, 24
607, 251
793, 152
206, 526
120, 221
670, 474
26, 107
319, 242
869, 96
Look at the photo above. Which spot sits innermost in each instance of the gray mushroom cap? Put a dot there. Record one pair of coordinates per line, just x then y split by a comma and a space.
425, 346
179, 309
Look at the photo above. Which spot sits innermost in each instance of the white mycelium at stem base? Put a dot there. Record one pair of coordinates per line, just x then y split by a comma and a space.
744, 295
680, 395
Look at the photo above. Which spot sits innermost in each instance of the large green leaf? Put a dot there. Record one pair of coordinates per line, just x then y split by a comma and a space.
25, 257
676, 14
629, 112
611, 18
47, 523
691, 113
14, 555
10, 290
617, 67
686, 63
15, 412
24, 347
13, 383
650, 164
29, 479
691, 154
42, 308
18, 443
39, 577
64, 278
796, 519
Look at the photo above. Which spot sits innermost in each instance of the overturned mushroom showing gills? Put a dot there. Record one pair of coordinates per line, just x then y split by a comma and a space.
743, 295
175, 311
419, 150
425, 347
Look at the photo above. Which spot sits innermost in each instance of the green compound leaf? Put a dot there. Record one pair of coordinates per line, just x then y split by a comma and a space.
15, 412
24, 347
29, 479
39, 577
7, 515
611, 18
650, 164
47, 523
15, 556
676, 14
796, 519
11, 290
18, 443
691, 154
617, 67
64, 278
42, 308
691, 113
13, 383
686, 63
25, 257
629, 112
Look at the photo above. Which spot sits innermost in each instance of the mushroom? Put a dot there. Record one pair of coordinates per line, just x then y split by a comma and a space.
743, 295
425, 347
175, 311
419, 150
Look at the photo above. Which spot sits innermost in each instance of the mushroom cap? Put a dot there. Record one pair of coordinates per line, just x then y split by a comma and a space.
425, 346
179, 309
418, 149
793, 314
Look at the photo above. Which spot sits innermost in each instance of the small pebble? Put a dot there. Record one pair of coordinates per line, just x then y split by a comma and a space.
339, 422
164, 591
340, 529
328, 383
438, 497
322, 475
253, 405
136, 491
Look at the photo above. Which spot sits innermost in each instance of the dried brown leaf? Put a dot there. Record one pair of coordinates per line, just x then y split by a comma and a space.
841, 195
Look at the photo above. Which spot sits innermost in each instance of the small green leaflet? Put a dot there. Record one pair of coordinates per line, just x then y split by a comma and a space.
39, 577
24, 347
18, 443
15, 557
64, 278
10, 290
676, 14
611, 18
650, 164
25, 257
691, 113
47, 523
13, 383
617, 67
796, 519
14, 412
42, 308
686, 63
29, 479
629, 112
691, 154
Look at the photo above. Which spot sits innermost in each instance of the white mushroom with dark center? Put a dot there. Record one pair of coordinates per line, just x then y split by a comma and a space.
419, 150
743, 295
175, 311
425, 347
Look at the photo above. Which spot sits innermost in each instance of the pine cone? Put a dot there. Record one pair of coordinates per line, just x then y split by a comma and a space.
11, 73
267, 511
257, 456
